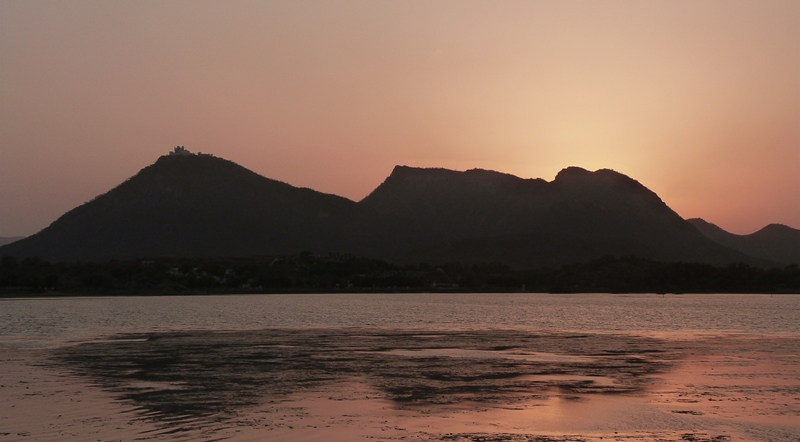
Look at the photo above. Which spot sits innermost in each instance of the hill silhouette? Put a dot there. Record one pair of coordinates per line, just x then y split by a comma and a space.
9, 239
775, 242
192, 206
188, 205
480, 215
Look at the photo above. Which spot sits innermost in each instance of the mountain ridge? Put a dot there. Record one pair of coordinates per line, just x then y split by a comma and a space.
774, 242
180, 197
9, 239
191, 205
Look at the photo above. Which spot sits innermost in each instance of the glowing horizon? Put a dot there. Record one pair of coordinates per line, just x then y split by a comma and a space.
698, 101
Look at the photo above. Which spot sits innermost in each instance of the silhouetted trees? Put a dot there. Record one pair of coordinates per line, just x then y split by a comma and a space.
348, 273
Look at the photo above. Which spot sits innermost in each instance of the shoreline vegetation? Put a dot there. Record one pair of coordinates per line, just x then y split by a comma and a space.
344, 273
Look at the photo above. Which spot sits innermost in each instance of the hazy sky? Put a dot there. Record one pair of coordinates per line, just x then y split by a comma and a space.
698, 100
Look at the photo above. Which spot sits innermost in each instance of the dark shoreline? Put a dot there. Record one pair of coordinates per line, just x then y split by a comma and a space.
308, 273
113, 294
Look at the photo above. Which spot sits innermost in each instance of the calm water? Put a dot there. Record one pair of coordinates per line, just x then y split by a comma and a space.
51, 322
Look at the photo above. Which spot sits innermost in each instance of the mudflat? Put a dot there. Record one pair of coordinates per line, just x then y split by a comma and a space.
386, 384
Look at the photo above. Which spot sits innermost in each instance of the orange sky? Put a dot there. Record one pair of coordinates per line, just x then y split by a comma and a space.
698, 100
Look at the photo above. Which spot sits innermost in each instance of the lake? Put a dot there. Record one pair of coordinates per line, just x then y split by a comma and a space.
45, 322
428, 367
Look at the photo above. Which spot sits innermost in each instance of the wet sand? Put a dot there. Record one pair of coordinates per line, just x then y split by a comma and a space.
413, 385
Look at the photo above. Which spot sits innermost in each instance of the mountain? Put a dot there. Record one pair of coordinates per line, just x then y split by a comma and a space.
187, 205
9, 239
192, 206
775, 242
481, 215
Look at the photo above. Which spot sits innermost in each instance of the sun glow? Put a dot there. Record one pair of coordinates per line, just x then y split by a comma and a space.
695, 100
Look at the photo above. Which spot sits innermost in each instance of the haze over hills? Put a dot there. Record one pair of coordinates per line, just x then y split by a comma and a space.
201, 206
775, 242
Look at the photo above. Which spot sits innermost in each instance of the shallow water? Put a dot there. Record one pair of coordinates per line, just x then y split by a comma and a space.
421, 367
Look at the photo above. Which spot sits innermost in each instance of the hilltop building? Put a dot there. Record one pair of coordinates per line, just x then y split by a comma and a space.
179, 150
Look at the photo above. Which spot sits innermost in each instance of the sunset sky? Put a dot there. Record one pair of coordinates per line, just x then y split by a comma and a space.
698, 100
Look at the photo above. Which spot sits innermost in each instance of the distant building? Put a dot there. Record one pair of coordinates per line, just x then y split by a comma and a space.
179, 150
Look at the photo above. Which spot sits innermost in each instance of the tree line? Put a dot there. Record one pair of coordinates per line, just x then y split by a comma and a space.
333, 273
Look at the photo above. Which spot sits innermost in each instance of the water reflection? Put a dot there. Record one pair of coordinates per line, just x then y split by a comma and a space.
178, 377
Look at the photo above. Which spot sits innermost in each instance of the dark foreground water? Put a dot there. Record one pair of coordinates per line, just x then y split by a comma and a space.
418, 367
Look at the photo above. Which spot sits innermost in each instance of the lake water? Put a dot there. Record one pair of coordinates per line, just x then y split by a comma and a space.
48, 322
413, 367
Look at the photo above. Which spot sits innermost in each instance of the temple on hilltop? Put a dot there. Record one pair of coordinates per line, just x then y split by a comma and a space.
179, 150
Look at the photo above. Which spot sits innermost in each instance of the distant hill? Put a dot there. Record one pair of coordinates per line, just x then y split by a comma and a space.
9, 239
775, 242
476, 216
188, 205
192, 206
